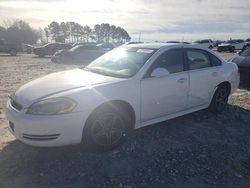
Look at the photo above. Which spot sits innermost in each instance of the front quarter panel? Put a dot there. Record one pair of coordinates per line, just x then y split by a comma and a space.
90, 97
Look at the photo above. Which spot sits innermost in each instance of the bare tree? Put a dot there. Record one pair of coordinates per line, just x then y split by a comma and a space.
87, 31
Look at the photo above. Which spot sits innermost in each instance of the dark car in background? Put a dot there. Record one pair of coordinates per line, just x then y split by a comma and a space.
247, 41
82, 54
243, 62
246, 46
50, 48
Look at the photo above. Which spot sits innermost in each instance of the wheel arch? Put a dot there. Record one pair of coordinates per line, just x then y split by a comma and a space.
225, 84
116, 104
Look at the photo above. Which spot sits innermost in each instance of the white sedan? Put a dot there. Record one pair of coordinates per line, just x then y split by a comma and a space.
127, 88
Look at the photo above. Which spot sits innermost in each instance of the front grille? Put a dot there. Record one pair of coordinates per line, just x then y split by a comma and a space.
16, 105
41, 137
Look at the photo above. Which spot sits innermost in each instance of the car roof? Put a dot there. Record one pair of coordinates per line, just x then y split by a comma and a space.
155, 45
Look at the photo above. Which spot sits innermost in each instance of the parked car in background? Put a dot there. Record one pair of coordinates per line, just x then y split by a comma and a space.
27, 48
242, 59
231, 45
218, 42
246, 46
82, 54
9, 48
108, 46
247, 41
127, 88
176, 42
83, 43
207, 43
50, 48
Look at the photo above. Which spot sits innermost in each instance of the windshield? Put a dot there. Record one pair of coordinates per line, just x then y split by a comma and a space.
231, 41
121, 62
246, 52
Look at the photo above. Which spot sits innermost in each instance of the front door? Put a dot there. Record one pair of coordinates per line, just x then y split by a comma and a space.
167, 94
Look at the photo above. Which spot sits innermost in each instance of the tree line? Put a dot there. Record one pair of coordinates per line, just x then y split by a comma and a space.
21, 32
75, 32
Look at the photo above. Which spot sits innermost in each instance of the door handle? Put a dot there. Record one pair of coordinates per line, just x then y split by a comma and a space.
182, 80
214, 73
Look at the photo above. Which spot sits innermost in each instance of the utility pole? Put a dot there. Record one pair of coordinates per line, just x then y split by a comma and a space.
139, 36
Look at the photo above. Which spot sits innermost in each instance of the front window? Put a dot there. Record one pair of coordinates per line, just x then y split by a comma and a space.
121, 62
171, 60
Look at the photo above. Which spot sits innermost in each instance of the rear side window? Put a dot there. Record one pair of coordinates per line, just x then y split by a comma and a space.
197, 59
172, 60
205, 41
214, 60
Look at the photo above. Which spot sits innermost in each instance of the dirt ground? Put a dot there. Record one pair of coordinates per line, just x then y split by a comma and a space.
197, 150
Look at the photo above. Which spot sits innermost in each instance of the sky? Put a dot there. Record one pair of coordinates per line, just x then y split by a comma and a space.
156, 20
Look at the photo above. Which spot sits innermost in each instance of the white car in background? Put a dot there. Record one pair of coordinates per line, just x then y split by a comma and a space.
127, 88
207, 43
231, 45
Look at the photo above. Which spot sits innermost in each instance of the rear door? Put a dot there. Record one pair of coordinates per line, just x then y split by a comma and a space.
203, 76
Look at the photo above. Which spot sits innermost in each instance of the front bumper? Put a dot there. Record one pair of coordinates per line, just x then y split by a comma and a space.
45, 131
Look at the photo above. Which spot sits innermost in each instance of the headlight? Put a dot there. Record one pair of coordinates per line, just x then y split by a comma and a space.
52, 106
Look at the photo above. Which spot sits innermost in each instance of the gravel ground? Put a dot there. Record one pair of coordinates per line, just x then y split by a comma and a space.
197, 150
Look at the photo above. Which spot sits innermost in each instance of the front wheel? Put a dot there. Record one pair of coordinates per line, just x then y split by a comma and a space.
219, 101
106, 129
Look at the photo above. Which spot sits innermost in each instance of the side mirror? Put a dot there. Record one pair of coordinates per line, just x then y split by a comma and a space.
159, 72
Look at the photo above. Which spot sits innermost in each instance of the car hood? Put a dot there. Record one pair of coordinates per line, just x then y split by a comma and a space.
242, 61
58, 82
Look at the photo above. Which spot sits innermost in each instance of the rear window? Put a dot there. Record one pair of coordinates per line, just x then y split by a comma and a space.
214, 60
197, 59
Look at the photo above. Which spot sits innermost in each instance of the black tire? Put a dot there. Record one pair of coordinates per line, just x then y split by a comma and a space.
231, 49
29, 51
13, 52
210, 47
219, 101
106, 129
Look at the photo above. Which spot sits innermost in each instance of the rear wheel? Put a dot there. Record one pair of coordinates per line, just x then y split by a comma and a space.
106, 129
219, 101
